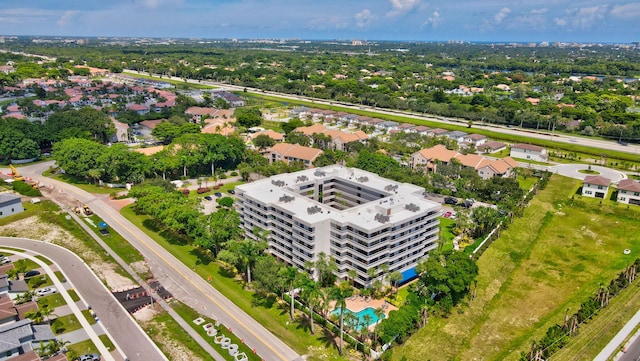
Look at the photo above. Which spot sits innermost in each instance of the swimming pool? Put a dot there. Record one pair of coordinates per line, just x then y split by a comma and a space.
367, 311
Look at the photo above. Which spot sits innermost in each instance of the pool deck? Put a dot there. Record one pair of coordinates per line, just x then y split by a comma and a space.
359, 303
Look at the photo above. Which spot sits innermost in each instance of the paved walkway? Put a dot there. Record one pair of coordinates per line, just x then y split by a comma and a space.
617, 340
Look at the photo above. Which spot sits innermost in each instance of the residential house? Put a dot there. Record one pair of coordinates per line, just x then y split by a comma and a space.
198, 113
457, 135
629, 191
141, 109
10, 204
7, 69
293, 152
277, 137
22, 336
339, 139
233, 100
406, 127
487, 168
491, 147
437, 132
595, 186
529, 152
475, 139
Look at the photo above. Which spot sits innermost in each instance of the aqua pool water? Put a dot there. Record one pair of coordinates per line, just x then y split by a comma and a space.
367, 311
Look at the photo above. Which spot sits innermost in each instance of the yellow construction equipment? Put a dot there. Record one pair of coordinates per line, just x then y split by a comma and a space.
87, 210
16, 175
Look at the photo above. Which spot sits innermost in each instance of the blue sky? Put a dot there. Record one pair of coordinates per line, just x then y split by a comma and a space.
469, 20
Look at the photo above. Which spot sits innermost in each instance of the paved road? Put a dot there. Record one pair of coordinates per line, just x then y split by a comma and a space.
532, 133
125, 331
632, 348
572, 171
176, 277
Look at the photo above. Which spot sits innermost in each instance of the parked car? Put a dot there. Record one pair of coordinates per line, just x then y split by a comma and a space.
46, 291
467, 204
31, 273
231, 191
450, 200
218, 194
446, 214
4, 260
89, 357
209, 198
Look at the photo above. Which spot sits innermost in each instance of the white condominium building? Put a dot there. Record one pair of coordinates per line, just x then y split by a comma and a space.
359, 218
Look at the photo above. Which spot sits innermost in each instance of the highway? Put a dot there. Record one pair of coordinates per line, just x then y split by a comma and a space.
531, 133
176, 277
133, 341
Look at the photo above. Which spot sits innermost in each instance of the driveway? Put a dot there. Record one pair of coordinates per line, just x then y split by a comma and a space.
572, 171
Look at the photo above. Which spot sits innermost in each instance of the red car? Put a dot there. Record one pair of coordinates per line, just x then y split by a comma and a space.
447, 214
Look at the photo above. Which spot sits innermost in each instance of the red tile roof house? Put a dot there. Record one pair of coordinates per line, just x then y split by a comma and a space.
595, 186
492, 147
529, 152
293, 152
629, 192
429, 158
139, 108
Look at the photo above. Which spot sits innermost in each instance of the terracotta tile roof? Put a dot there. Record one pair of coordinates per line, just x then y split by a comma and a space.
201, 111
137, 107
296, 151
629, 185
530, 147
271, 134
310, 130
597, 180
438, 152
439, 131
511, 162
150, 150
469, 160
491, 146
151, 124
475, 136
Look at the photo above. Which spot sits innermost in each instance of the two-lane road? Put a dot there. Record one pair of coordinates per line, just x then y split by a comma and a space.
176, 277
120, 325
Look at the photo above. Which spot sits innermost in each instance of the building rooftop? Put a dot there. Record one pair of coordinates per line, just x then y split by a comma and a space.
396, 201
8, 197
597, 180
629, 185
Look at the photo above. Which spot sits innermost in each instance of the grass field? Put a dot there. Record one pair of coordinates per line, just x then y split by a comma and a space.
264, 310
550, 260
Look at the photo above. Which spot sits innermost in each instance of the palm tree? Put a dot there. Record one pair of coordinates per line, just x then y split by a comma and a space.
311, 292
95, 173
289, 275
35, 315
379, 312
340, 295
395, 278
352, 274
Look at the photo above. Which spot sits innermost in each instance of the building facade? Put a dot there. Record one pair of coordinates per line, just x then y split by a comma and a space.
359, 218
629, 192
529, 152
10, 204
595, 186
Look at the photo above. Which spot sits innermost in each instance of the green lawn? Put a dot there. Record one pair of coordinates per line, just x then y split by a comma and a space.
550, 260
83, 347
446, 226
166, 333
265, 311
29, 210
74, 296
188, 314
66, 323
54, 300
118, 244
527, 183
88, 315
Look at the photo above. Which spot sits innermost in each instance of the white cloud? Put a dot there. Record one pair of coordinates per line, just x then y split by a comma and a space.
363, 19
627, 11
582, 18
66, 17
539, 11
399, 7
434, 20
501, 15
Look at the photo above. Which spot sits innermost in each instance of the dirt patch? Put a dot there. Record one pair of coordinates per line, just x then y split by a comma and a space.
146, 314
34, 228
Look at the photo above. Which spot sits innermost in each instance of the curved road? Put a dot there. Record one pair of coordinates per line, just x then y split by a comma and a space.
120, 325
176, 277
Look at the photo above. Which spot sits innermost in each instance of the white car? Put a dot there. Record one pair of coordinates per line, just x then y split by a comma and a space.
4, 260
46, 291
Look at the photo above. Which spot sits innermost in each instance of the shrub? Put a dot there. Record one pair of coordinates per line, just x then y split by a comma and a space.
25, 189
234, 174
185, 192
203, 190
